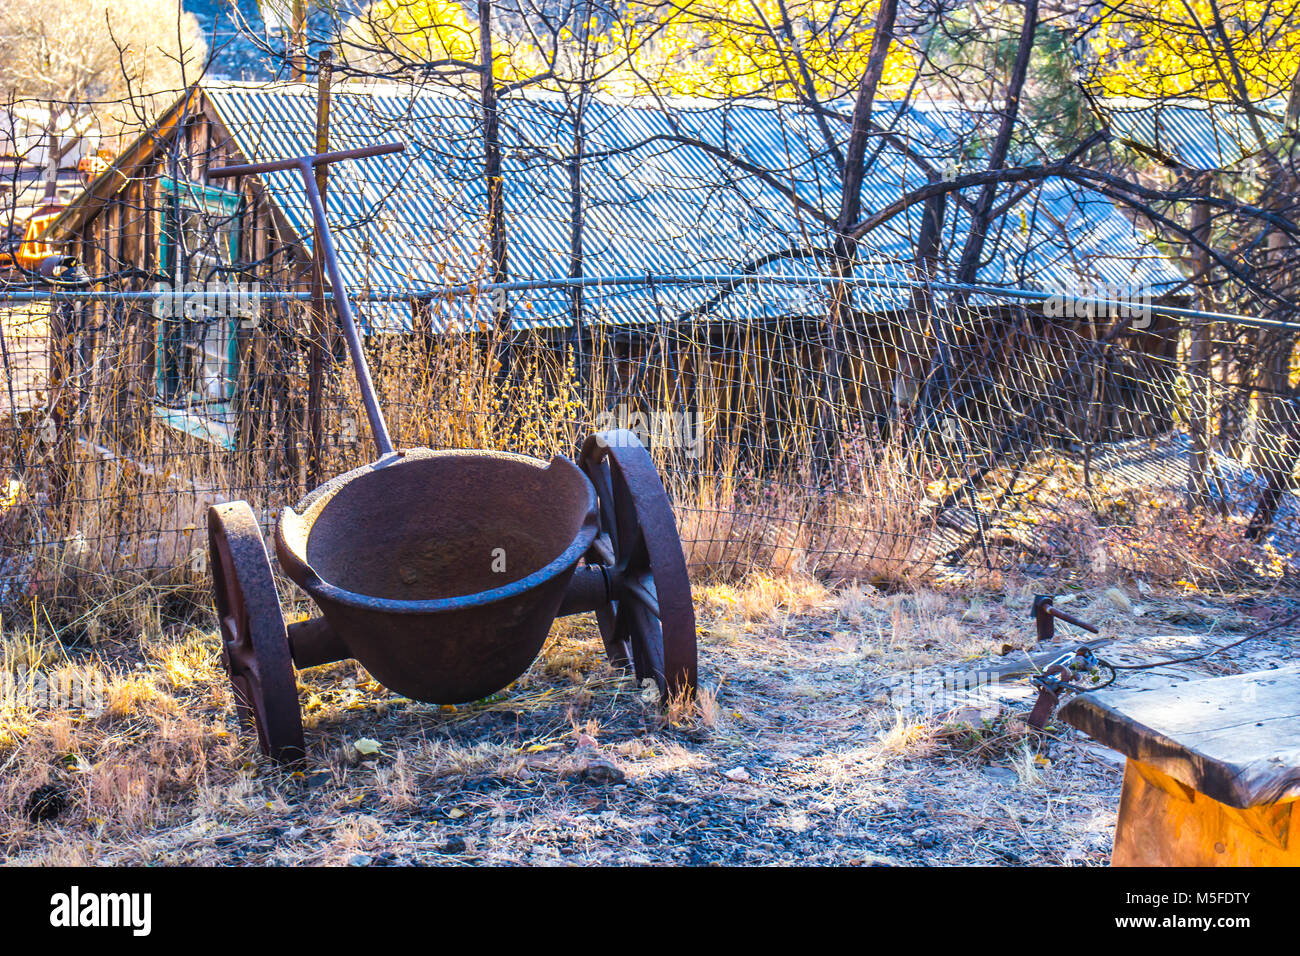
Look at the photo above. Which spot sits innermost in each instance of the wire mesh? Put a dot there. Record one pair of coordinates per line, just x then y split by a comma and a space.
850, 452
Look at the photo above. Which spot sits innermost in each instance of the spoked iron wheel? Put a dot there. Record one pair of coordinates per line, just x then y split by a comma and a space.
254, 644
650, 625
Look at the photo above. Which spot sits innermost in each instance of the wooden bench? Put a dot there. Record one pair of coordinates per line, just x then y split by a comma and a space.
1213, 770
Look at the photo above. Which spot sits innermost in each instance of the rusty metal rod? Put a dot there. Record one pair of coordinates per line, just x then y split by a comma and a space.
1071, 619
329, 257
296, 162
1046, 615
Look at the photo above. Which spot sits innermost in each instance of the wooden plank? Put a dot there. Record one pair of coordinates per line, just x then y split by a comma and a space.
1235, 739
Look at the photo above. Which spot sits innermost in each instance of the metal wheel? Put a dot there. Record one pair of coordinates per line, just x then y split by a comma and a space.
254, 644
651, 623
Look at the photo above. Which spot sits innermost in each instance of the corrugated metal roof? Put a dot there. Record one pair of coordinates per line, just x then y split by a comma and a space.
1197, 134
416, 220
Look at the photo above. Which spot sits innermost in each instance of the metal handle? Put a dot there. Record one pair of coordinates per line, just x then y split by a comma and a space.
1071, 619
319, 159
329, 258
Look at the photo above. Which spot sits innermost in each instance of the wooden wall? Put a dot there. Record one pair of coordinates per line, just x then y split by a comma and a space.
107, 353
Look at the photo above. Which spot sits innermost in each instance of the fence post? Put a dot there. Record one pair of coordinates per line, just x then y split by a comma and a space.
1198, 366
56, 430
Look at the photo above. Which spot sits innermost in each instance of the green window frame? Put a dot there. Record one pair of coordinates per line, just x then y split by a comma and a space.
197, 356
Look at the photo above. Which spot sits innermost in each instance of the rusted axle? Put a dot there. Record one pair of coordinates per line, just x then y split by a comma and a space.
591, 587
313, 642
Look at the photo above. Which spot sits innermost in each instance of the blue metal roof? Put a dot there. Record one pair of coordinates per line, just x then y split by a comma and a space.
415, 221
1197, 134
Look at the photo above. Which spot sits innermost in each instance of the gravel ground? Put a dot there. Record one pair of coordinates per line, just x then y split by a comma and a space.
796, 753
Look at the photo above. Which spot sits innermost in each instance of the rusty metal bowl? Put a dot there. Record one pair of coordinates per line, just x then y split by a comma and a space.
442, 571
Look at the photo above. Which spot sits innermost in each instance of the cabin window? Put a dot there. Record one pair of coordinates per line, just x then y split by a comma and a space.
197, 356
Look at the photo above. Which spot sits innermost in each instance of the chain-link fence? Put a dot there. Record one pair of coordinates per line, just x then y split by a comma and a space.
890, 445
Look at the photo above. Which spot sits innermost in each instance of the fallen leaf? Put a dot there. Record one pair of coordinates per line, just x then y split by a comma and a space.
367, 746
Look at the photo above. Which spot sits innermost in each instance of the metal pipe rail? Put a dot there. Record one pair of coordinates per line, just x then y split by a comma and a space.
588, 282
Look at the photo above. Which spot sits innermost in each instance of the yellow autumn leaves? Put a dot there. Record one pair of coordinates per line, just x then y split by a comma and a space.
779, 48
415, 31
1197, 48
690, 47
771, 48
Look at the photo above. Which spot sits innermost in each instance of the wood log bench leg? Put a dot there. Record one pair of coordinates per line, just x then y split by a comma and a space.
1163, 822
1213, 772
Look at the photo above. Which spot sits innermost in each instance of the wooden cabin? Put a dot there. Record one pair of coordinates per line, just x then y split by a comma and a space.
241, 378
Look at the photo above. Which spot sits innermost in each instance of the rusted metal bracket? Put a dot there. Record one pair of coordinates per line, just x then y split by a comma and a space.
1059, 674
1046, 614
1057, 678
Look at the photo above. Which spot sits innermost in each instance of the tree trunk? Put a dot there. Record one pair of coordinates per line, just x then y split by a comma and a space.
1278, 425
52, 158
974, 249
298, 40
912, 345
845, 248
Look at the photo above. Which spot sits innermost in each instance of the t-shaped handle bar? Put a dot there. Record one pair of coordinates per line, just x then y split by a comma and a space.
319, 159
329, 258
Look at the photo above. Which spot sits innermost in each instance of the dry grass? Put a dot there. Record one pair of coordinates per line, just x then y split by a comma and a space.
786, 755
1114, 526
